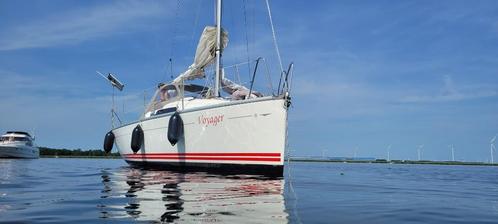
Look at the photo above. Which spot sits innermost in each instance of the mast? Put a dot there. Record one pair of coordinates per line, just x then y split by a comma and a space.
218, 49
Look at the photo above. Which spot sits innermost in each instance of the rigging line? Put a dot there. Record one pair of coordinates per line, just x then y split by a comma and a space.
173, 37
171, 67
233, 25
238, 64
247, 38
238, 73
196, 21
274, 37
268, 74
252, 31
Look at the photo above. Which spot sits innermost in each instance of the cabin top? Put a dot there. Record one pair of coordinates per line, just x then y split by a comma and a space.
18, 132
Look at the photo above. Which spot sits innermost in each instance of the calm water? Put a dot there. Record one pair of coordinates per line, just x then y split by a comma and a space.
98, 190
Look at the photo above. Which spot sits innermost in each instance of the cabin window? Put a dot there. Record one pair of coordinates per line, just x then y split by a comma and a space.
165, 110
19, 139
12, 138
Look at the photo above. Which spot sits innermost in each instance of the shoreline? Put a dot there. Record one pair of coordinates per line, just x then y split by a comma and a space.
80, 157
422, 162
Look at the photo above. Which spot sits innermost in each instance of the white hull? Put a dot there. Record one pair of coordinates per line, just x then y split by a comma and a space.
19, 151
249, 132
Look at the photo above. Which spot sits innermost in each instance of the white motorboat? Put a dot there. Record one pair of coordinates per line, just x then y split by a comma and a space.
192, 126
18, 144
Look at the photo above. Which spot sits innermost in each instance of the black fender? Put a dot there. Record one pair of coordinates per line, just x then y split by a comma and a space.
108, 141
175, 128
137, 138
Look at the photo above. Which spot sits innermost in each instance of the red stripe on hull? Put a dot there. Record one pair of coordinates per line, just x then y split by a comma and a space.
277, 159
206, 154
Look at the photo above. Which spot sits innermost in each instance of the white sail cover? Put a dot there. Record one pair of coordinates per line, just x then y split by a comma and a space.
238, 92
204, 55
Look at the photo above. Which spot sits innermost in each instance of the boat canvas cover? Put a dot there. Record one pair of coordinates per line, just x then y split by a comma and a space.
238, 92
204, 55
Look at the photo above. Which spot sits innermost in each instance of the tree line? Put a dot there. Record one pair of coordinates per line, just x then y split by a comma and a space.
45, 151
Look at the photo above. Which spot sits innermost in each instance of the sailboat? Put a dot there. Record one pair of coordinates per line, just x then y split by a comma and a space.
193, 127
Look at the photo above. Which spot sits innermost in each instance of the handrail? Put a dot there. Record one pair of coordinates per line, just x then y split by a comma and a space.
285, 84
253, 77
289, 70
280, 82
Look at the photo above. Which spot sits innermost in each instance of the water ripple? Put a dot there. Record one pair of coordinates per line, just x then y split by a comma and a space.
103, 191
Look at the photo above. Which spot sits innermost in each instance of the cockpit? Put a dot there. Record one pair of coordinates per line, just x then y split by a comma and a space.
166, 94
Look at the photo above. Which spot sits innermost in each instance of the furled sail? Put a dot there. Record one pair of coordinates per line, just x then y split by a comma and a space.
204, 54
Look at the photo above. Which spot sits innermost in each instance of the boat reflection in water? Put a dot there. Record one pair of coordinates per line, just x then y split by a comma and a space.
166, 196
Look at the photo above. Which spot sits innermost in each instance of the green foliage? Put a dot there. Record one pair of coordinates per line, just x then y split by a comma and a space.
44, 151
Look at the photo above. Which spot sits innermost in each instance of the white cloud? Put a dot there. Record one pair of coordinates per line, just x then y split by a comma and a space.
450, 92
81, 25
330, 90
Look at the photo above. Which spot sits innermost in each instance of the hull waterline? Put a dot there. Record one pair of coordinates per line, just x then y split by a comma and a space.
19, 152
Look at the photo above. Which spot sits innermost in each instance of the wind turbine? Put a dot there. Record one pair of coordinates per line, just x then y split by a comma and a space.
323, 153
492, 148
419, 151
389, 153
452, 152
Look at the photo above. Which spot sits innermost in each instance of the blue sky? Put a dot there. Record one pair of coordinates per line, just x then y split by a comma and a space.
368, 73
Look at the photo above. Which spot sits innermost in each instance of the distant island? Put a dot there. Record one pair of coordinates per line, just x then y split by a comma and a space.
52, 152
374, 160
